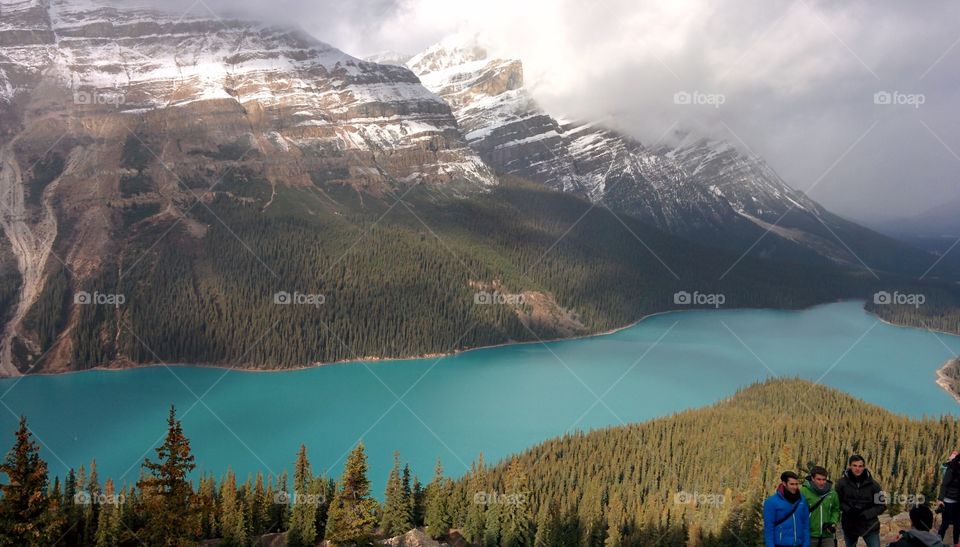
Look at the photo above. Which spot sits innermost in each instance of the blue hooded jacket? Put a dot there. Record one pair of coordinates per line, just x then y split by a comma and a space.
793, 531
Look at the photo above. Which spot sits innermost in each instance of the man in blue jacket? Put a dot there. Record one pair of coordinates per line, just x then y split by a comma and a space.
786, 518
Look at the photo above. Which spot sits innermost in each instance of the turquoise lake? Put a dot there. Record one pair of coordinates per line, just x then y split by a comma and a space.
497, 400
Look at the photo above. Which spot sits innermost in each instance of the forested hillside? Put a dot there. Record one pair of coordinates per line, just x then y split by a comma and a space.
694, 478
396, 278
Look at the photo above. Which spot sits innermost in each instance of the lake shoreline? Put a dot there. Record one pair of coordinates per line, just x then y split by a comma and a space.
440, 355
944, 380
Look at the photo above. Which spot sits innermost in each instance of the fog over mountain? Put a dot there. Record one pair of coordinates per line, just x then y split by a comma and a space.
797, 78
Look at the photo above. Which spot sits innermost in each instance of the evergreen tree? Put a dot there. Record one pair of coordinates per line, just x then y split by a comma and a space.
110, 519
353, 512
437, 517
397, 516
28, 517
515, 508
548, 524
477, 497
207, 501
303, 519
419, 500
92, 508
168, 498
232, 526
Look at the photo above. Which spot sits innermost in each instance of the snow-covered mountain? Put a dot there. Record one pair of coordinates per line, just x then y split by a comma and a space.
701, 189
295, 90
115, 117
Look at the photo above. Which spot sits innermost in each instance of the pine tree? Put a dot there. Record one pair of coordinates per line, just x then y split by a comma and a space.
231, 519
478, 498
419, 499
207, 501
303, 525
168, 496
515, 512
258, 508
437, 517
27, 515
72, 509
92, 509
109, 521
397, 515
548, 524
353, 512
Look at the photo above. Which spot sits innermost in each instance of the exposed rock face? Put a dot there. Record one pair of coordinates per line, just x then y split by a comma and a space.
701, 189
103, 108
274, 86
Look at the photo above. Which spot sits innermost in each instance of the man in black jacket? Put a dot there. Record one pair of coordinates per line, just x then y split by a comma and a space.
861, 503
921, 519
949, 499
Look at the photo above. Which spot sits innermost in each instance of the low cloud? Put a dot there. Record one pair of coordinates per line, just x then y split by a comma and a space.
798, 78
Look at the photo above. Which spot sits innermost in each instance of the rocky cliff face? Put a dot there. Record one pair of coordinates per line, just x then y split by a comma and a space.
104, 111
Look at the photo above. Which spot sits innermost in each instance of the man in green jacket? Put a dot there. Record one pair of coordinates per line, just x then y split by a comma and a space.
824, 508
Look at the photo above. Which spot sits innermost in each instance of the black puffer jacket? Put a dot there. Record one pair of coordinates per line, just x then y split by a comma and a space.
950, 487
861, 503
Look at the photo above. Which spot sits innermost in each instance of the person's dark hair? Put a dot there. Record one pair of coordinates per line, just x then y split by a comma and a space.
787, 475
856, 458
817, 470
921, 518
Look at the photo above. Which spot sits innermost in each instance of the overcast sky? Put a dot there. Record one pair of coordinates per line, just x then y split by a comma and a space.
797, 79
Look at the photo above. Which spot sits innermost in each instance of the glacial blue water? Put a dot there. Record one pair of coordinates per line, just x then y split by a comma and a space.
497, 400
